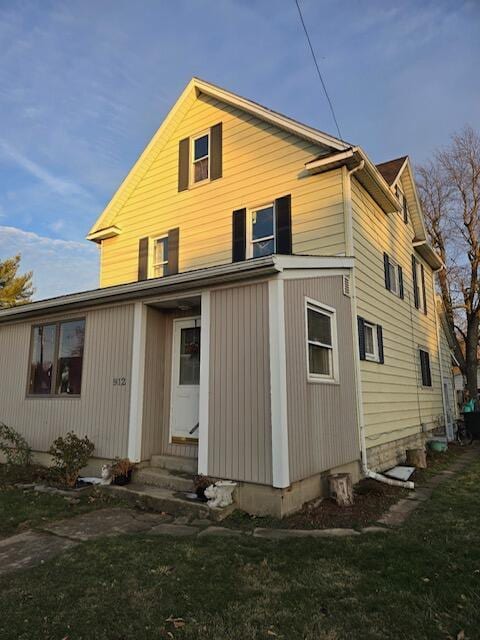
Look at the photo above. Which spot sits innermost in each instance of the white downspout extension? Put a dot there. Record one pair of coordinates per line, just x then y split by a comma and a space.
368, 473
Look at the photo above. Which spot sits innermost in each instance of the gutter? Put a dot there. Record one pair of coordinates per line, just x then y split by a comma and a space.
367, 472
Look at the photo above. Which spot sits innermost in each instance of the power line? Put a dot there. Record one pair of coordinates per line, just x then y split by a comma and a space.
318, 69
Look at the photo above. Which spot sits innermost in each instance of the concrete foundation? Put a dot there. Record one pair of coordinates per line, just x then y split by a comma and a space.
387, 455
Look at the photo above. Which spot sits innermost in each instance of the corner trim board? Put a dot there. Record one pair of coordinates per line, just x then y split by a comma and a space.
137, 377
278, 384
203, 410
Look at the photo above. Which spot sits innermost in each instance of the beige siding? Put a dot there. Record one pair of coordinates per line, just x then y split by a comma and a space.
101, 412
240, 445
322, 426
394, 403
158, 373
260, 163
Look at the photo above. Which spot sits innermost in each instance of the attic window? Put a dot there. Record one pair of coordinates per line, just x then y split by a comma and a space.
403, 202
200, 157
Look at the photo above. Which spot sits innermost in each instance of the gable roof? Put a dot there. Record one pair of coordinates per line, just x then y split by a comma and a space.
390, 170
103, 226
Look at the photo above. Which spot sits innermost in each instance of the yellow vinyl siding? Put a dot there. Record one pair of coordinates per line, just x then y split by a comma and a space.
260, 163
394, 403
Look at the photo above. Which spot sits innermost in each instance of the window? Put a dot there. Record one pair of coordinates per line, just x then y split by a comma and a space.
262, 231
425, 368
201, 157
321, 342
393, 276
160, 257
371, 341
189, 373
419, 283
57, 358
403, 201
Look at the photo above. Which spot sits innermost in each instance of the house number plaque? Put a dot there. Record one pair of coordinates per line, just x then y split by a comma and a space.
119, 382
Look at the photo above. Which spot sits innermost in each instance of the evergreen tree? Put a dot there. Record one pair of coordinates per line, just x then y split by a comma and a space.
14, 289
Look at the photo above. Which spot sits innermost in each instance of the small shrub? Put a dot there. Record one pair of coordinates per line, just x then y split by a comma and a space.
121, 470
14, 447
70, 454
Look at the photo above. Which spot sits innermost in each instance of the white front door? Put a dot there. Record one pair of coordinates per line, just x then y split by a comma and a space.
185, 380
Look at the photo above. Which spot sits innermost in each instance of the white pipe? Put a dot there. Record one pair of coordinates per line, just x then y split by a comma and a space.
368, 473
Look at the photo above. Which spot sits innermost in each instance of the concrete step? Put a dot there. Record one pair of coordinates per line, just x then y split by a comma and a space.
167, 501
176, 481
175, 463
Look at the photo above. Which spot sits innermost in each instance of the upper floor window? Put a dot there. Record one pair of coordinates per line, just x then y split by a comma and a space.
322, 350
403, 202
200, 157
419, 290
262, 231
160, 257
393, 276
56, 359
425, 368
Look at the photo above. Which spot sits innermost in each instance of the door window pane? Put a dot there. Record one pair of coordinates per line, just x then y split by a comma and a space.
190, 356
70, 357
41, 366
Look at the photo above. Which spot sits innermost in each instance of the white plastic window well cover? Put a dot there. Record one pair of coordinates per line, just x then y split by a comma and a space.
399, 473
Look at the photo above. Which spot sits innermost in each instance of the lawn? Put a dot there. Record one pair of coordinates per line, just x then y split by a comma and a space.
21, 510
419, 582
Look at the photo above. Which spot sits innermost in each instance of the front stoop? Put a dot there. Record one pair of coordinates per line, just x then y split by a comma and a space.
167, 501
160, 477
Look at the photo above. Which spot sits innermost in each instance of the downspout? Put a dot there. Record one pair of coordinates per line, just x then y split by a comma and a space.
350, 251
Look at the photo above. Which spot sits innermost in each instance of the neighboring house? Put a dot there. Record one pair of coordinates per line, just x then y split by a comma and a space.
260, 279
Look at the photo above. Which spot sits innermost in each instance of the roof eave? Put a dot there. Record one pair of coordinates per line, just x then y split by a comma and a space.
428, 254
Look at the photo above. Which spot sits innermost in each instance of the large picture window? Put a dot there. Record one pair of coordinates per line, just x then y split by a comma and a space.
57, 358
321, 342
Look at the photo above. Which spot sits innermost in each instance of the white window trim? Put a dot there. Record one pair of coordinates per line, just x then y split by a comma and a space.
372, 357
192, 159
397, 279
249, 231
151, 252
322, 308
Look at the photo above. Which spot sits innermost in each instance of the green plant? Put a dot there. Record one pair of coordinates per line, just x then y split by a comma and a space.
70, 454
14, 447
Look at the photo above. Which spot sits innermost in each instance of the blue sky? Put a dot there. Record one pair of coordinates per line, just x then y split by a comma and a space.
84, 85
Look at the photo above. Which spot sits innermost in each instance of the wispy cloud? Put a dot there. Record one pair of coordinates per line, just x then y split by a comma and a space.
59, 266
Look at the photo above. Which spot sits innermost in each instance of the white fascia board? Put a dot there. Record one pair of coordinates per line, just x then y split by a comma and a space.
104, 234
322, 162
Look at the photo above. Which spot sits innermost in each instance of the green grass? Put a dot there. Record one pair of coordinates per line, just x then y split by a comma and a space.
21, 510
419, 582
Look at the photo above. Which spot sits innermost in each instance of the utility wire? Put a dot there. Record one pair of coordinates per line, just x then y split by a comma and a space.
318, 69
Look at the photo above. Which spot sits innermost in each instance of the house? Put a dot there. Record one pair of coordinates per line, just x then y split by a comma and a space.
266, 312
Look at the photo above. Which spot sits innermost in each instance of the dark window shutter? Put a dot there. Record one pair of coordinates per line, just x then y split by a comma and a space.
173, 249
400, 282
183, 163
143, 258
415, 283
405, 210
239, 234
361, 337
216, 151
424, 291
283, 224
386, 265
381, 357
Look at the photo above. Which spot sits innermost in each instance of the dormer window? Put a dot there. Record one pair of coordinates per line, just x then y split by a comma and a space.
201, 158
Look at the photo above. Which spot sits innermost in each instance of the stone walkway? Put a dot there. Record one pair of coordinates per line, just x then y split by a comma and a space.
32, 548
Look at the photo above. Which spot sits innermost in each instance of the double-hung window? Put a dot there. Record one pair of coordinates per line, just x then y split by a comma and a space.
56, 359
201, 158
160, 257
322, 351
419, 281
393, 276
394, 280
371, 341
403, 201
425, 368
262, 231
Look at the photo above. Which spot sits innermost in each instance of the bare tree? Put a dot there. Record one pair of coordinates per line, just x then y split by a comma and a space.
449, 188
